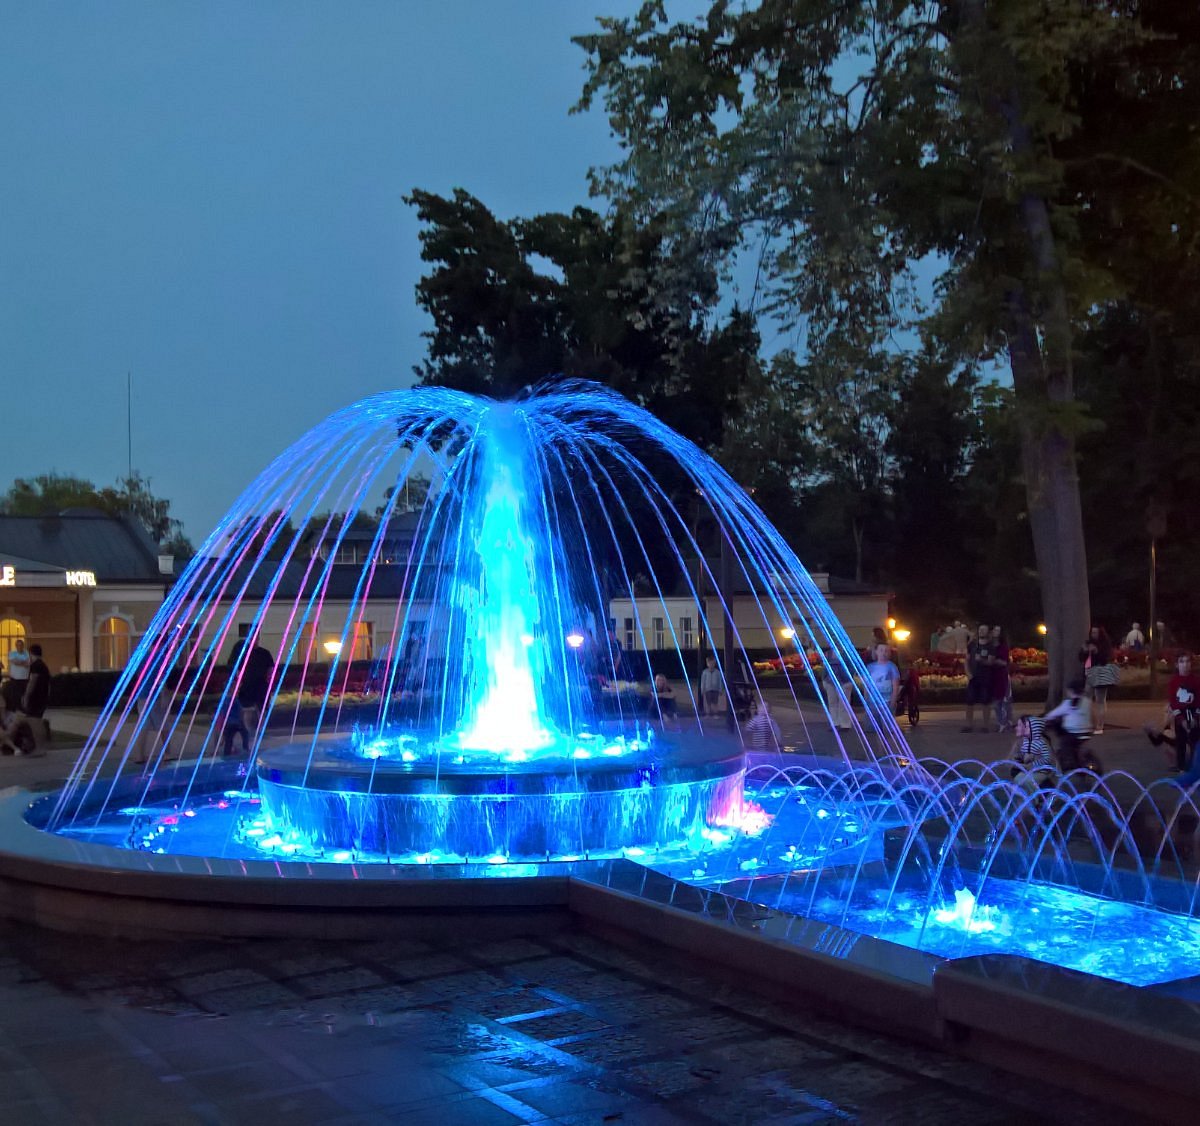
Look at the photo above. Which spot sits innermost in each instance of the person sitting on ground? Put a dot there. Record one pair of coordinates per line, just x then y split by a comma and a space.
16, 733
1031, 750
761, 733
1074, 719
664, 699
1183, 706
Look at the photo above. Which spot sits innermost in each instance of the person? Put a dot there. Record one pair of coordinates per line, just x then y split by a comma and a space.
979, 676
884, 675
837, 683
1183, 704
961, 639
16, 733
155, 728
1031, 751
710, 687
1001, 681
1100, 673
235, 725
935, 639
761, 732
1135, 639
1074, 719
18, 675
948, 639
257, 668
664, 698
37, 687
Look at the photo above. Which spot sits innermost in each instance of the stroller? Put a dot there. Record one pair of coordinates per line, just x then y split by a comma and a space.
908, 701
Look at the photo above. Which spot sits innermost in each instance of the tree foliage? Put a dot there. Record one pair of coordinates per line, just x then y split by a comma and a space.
50, 493
516, 303
849, 142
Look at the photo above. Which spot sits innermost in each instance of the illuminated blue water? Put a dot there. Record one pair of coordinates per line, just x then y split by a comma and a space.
1122, 941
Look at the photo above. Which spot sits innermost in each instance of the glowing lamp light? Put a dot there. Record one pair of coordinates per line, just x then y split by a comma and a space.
574, 640
787, 633
901, 634
891, 623
1042, 629
333, 648
527, 639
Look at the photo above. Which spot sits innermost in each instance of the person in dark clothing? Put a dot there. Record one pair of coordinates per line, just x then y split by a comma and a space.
37, 690
257, 668
1183, 702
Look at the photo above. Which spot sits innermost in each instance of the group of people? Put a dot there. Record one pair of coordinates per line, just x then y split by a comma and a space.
24, 696
26, 687
988, 680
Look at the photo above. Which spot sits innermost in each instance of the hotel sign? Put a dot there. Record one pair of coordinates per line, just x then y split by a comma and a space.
8, 577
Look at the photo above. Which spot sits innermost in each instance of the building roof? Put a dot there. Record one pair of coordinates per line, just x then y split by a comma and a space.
115, 549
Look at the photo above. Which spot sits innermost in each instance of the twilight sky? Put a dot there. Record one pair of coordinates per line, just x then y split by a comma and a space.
208, 195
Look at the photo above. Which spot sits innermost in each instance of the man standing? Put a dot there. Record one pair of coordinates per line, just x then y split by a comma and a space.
979, 676
18, 675
37, 686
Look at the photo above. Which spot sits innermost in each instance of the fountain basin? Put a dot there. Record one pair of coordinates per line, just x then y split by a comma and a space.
325, 798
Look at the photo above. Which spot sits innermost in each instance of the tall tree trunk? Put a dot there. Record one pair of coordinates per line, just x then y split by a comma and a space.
1040, 357
1039, 345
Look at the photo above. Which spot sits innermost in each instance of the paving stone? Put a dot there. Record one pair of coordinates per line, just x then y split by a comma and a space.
559, 1028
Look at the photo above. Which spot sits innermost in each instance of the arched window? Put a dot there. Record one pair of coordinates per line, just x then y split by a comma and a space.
362, 650
10, 630
113, 638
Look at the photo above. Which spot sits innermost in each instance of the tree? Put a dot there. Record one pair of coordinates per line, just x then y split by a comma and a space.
851, 141
578, 296
52, 493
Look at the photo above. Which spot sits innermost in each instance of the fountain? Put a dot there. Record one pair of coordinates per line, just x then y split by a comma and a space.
462, 687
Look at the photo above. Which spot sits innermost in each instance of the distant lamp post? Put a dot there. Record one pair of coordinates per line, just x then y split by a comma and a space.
891, 623
166, 568
1042, 630
575, 640
787, 633
333, 648
1156, 528
901, 635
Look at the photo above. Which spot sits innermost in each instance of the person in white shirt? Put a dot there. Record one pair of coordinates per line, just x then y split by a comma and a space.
1135, 639
18, 675
1074, 716
711, 687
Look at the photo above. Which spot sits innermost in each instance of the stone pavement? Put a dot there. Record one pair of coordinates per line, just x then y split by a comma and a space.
558, 1028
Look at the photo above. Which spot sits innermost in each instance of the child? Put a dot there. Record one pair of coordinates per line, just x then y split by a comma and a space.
1074, 717
1032, 751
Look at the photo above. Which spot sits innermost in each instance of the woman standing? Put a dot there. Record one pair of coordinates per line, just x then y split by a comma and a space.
1099, 671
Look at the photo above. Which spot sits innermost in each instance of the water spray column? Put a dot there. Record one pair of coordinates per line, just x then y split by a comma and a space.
503, 652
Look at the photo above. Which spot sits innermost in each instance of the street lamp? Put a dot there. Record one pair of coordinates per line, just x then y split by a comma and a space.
166, 568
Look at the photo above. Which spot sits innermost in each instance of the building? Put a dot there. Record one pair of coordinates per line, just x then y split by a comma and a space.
650, 622
84, 585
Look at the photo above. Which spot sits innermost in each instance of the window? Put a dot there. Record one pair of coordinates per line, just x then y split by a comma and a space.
10, 630
362, 649
113, 638
630, 634
687, 638
660, 633
346, 553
